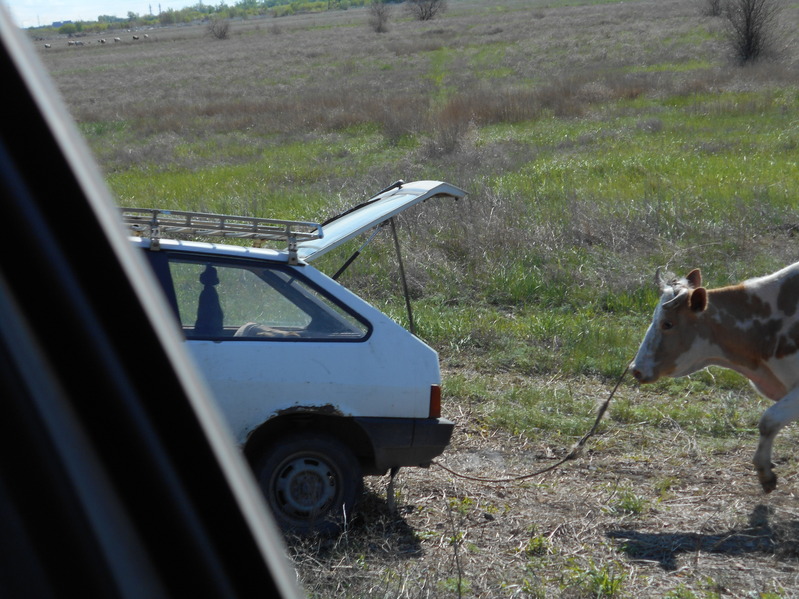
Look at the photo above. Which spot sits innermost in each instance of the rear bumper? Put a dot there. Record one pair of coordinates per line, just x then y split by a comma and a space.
401, 442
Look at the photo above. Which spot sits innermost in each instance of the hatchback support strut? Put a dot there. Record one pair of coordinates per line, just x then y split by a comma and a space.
351, 259
407, 295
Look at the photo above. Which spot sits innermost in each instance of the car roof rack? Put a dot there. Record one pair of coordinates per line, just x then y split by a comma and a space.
156, 223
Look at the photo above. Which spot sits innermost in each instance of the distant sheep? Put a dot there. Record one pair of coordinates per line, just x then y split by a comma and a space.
135, 37
47, 45
116, 39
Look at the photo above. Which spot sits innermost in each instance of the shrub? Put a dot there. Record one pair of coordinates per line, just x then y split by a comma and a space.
219, 28
424, 10
379, 13
752, 27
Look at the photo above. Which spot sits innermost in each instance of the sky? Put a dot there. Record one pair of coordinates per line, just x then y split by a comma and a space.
33, 13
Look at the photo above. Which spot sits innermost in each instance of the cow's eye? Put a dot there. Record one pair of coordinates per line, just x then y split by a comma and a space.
666, 325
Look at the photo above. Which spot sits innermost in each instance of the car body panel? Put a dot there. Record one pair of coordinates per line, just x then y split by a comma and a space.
256, 380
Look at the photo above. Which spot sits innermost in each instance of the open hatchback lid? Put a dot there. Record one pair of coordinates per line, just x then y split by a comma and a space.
372, 213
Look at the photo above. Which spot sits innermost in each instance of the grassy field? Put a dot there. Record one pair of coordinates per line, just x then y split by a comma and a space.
597, 141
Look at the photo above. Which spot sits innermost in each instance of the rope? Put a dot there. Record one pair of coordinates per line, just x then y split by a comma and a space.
576, 450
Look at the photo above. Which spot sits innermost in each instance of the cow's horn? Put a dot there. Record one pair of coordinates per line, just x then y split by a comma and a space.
660, 280
676, 300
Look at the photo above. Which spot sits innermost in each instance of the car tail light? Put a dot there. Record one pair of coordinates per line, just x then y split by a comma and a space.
435, 401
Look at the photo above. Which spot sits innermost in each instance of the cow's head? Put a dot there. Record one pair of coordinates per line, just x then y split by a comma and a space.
671, 342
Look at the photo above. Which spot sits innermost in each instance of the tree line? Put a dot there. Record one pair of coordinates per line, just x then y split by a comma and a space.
200, 12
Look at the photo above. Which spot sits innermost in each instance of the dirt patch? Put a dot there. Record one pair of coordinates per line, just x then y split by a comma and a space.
644, 512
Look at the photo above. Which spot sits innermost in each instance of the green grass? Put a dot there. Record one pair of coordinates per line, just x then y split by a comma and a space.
665, 147
531, 411
594, 580
246, 177
691, 407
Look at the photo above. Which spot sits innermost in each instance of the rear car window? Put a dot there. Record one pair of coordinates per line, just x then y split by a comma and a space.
216, 298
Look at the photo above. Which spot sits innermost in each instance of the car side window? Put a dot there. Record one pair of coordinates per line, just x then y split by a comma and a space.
239, 301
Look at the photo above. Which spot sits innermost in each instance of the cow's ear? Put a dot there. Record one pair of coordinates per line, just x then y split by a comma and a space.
694, 278
698, 300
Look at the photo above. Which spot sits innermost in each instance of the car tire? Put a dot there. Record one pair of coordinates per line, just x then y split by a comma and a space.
311, 483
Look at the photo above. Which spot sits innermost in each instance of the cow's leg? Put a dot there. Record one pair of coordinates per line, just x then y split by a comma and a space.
774, 418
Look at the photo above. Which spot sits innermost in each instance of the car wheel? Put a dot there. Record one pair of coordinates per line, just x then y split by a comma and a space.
311, 483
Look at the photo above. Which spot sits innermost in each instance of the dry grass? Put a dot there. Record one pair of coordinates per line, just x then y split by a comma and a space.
301, 75
643, 513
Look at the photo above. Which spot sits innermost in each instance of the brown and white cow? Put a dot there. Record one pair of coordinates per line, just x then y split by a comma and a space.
752, 328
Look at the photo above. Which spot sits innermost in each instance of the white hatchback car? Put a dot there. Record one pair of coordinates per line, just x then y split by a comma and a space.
319, 387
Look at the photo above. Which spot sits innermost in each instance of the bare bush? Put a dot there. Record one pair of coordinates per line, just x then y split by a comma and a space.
219, 28
713, 8
379, 13
424, 10
753, 26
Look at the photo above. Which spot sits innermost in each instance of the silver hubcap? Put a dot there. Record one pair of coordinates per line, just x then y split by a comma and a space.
305, 486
